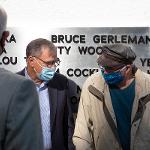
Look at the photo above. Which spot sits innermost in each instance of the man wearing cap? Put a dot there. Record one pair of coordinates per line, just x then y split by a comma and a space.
115, 104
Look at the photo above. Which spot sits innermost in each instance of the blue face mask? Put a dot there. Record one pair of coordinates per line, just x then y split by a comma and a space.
113, 78
46, 74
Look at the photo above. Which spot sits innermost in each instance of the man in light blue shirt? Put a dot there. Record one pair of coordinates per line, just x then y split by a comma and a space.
56, 115
42, 90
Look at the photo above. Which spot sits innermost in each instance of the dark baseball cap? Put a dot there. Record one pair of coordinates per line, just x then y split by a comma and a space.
116, 54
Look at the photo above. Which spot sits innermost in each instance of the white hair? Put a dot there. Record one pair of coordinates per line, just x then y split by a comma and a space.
3, 21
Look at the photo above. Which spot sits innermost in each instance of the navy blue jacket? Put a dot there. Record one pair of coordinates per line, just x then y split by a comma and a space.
62, 122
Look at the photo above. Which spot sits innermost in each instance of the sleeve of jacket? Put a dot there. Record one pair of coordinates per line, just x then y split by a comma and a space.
23, 125
82, 138
69, 121
71, 126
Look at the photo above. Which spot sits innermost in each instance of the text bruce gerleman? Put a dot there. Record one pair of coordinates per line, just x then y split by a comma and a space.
126, 39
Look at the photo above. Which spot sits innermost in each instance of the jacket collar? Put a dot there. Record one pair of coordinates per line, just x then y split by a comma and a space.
142, 88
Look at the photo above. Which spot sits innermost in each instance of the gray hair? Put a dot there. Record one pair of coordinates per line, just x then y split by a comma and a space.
3, 21
34, 48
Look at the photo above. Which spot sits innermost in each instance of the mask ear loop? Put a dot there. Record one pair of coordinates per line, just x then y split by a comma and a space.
45, 67
38, 63
123, 68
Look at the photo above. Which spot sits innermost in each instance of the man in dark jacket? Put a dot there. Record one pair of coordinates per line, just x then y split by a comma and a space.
52, 87
20, 125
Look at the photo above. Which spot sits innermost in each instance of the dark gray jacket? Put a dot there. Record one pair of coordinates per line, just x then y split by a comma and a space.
20, 126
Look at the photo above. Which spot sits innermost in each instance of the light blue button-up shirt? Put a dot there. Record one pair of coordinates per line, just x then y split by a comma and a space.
42, 90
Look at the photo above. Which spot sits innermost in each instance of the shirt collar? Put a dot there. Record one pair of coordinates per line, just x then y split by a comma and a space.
42, 85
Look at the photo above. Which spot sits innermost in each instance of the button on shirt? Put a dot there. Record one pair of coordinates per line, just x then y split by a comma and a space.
44, 112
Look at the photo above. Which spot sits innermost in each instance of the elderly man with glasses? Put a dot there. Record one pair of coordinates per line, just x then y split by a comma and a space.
52, 88
115, 104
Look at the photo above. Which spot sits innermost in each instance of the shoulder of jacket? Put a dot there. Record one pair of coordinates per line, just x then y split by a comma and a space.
143, 81
58, 80
11, 78
141, 75
96, 80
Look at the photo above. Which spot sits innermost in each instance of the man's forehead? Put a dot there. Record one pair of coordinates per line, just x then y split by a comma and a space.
48, 52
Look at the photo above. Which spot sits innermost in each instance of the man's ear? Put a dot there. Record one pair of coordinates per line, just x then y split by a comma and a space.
129, 69
30, 61
4, 37
128, 66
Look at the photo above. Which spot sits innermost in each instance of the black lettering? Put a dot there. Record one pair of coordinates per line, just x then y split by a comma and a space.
143, 61
4, 51
103, 38
67, 49
68, 38
60, 48
76, 39
98, 50
148, 62
147, 39
60, 38
141, 40
13, 61
96, 39
124, 39
85, 72
12, 39
78, 89
69, 72
116, 39
82, 50
132, 40
91, 71
54, 38
91, 50
77, 72
5, 60
110, 39
82, 38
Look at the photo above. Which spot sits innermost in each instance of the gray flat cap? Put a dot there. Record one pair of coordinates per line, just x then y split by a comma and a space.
116, 52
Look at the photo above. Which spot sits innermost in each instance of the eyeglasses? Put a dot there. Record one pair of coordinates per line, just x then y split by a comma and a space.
109, 69
50, 63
